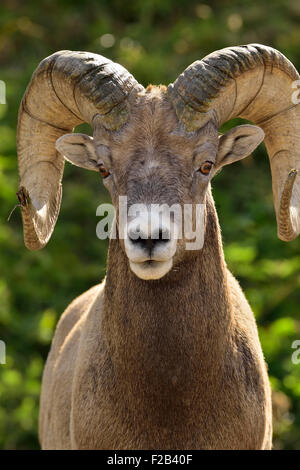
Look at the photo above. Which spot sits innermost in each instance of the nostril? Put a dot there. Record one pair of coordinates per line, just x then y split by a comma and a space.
137, 238
163, 235
134, 236
146, 243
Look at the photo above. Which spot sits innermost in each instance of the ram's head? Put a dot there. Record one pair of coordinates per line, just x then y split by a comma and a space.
158, 146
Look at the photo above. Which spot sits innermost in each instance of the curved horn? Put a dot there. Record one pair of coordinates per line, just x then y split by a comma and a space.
253, 82
66, 89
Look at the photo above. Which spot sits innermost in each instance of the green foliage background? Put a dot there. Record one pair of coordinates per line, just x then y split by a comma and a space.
155, 40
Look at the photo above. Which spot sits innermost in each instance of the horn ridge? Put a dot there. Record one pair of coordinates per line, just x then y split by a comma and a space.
66, 89
257, 83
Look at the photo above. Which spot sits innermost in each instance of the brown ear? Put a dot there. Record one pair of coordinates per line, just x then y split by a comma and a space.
78, 149
238, 143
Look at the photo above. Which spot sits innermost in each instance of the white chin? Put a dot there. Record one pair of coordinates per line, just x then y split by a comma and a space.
149, 270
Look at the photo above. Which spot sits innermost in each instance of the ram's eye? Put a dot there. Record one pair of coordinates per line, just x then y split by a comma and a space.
103, 171
205, 168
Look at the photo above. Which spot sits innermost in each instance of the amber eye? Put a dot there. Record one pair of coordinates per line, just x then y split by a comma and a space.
103, 171
205, 168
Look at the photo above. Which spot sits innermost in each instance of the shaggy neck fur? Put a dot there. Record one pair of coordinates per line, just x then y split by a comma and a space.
167, 339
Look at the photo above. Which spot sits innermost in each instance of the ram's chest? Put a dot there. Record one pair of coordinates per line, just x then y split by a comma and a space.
114, 410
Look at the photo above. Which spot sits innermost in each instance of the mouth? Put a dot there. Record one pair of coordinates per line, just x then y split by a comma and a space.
151, 269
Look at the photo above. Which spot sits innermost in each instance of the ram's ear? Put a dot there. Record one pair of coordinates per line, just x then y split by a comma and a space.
79, 149
238, 143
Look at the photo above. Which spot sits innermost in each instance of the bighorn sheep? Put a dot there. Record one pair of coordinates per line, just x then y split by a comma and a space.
164, 354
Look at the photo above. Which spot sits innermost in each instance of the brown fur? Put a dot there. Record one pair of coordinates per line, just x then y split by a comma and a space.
173, 363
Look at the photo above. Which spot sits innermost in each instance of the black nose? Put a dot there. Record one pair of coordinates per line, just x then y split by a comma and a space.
148, 244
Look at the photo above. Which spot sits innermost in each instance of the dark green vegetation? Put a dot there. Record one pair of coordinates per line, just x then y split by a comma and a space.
155, 40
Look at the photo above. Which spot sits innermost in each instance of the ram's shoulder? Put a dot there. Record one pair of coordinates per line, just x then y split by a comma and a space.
74, 312
241, 309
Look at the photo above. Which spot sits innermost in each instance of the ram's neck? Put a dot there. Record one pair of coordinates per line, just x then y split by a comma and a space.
164, 327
